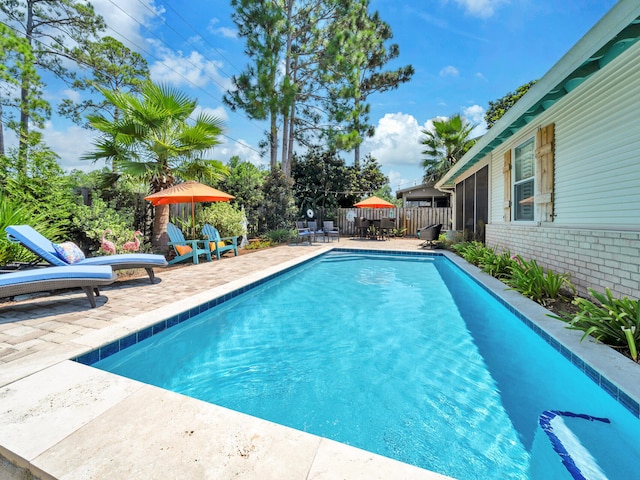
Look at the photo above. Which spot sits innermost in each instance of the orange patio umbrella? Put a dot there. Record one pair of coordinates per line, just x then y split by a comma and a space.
188, 192
374, 202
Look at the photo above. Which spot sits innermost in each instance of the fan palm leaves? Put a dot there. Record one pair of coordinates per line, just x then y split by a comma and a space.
156, 139
445, 145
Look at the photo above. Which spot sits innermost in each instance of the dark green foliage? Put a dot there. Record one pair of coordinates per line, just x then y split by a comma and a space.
40, 183
323, 181
224, 216
90, 222
16, 212
445, 145
281, 235
529, 278
499, 107
526, 277
318, 176
613, 321
279, 209
245, 183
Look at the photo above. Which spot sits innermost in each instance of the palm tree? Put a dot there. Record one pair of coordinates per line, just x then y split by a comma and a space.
153, 141
445, 145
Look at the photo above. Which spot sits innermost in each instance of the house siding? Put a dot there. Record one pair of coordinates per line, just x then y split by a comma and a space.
595, 234
597, 166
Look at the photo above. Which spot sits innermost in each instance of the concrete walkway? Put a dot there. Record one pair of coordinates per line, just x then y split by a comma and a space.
60, 419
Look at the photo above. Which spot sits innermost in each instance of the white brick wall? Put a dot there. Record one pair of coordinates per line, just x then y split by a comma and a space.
595, 259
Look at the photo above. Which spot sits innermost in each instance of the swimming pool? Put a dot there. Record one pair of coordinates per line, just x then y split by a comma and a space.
419, 364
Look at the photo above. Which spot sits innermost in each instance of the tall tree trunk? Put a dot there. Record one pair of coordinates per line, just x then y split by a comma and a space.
287, 118
285, 143
356, 149
292, 119
1, 134
159, 238
273, 141
24, 97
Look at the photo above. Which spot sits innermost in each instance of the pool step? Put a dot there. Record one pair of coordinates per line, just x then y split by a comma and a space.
575, 457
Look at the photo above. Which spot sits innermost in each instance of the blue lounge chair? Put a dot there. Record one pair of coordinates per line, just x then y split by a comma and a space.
213, 236
44, 248
54, 278
186, 249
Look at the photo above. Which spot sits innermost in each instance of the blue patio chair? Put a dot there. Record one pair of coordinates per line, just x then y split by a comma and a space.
54, 278
330, 230
304, 233
315, 231
186, 249
218, 245
44, 248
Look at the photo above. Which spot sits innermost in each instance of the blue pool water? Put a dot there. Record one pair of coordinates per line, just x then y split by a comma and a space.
403, 356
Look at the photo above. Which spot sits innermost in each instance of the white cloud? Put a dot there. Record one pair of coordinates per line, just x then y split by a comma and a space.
73, 95
396, 141
480, 8
219, 112
475, 115
193, 70
127, 20
481, 76
224, 32
74, 142
449, 71
71, 144
241, 148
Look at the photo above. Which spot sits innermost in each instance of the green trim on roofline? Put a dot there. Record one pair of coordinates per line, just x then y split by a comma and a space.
612, 49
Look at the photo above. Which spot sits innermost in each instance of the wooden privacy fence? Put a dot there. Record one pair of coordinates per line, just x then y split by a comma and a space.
409, 219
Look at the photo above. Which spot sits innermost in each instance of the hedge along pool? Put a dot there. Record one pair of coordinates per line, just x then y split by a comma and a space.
404, 356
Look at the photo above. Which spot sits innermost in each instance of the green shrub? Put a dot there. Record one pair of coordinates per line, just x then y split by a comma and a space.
19, 213
280, 235
89, 223
497, 265
472, 252
227, 218
529, 278
257, 244
615, 322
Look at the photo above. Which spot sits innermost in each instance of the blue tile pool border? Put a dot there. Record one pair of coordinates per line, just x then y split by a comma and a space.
116, 346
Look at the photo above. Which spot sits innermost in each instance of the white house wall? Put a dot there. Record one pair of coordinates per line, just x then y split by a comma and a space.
597, 161
595, 235
597, 150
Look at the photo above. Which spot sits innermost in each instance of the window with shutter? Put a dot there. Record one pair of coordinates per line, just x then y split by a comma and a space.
524, 181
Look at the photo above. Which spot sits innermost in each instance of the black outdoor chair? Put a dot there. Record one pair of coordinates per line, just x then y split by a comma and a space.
429, 234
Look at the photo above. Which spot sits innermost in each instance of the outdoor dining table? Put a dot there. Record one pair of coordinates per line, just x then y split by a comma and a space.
381, 227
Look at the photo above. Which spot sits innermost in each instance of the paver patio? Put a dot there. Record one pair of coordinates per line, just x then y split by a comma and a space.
60, 419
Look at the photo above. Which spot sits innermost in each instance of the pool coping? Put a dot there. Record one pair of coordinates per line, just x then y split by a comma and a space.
322, 458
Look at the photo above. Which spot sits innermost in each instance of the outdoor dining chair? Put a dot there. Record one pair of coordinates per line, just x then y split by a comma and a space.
330, 230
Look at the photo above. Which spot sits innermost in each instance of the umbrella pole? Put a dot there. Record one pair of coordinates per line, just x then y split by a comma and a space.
193, 219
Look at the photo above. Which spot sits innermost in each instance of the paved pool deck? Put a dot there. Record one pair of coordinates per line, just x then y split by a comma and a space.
63, 420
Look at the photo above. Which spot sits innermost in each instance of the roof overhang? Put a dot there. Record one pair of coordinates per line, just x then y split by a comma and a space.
612, 35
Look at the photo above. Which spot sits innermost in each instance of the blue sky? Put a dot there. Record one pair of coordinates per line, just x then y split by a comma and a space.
465, 54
